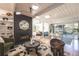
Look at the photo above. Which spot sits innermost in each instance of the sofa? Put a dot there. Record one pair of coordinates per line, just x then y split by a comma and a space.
7, 45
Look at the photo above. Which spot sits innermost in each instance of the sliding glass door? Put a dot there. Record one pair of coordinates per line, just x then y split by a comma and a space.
40, 27
69, 33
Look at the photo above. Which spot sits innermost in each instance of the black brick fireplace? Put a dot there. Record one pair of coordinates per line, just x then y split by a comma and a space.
20, 35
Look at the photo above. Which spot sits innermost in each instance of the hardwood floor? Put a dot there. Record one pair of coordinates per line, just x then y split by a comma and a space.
69, 49
72, 49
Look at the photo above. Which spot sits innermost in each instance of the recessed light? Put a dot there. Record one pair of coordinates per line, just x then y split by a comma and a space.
35, 7
18, 13
47, 16
37, 17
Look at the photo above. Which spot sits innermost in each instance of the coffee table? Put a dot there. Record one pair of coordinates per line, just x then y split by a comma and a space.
30, 46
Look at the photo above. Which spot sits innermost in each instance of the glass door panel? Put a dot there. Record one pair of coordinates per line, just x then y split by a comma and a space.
69, 33
41, 28
58, 31
70, 37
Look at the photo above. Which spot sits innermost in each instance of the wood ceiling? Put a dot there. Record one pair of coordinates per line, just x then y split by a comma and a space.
25, 8
58, 12
62, 14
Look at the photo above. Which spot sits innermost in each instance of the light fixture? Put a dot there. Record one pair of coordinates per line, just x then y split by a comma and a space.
37, 17
9, 14
35, 7
18, 13
47, 16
